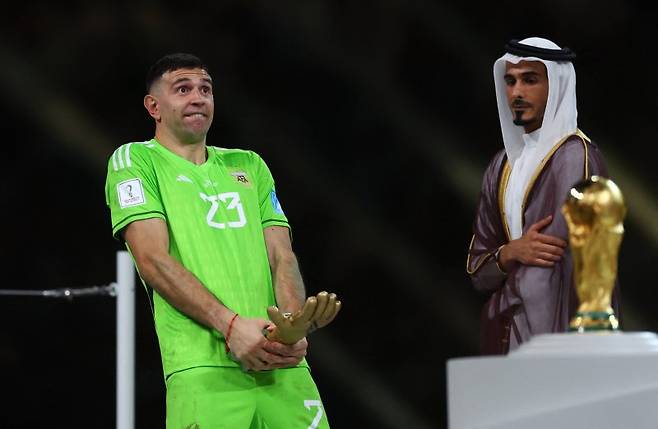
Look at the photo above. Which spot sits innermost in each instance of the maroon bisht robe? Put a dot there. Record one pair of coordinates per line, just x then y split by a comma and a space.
529, 300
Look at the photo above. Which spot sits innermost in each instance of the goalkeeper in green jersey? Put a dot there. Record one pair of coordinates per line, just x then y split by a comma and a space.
212, 245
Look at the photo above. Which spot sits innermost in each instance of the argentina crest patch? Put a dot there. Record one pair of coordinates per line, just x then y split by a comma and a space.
241, 177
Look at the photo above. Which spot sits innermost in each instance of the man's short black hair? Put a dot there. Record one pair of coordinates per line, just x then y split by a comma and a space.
171, 62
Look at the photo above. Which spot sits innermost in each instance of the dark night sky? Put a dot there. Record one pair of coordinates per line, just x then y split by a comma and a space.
377, 119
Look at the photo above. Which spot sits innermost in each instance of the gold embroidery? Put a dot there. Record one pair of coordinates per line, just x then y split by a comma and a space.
468, 259
502, 188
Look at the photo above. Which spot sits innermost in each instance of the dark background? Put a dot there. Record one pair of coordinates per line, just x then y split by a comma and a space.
377, 119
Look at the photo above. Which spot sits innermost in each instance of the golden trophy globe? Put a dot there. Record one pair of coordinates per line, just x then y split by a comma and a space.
595, 212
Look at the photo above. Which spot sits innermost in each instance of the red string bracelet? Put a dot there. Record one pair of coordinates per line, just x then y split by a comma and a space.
228, 332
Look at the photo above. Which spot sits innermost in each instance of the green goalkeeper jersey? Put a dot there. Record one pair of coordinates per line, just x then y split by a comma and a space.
215, 214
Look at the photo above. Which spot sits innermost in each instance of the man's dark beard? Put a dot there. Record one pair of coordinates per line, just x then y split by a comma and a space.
519, 102
518, 120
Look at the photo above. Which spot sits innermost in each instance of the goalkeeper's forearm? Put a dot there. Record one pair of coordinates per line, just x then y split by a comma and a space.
288, 283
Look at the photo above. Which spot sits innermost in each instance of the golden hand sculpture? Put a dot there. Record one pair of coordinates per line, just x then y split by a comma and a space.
594, 212
317, 312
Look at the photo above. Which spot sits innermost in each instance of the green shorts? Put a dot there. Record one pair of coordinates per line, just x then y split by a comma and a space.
225, 397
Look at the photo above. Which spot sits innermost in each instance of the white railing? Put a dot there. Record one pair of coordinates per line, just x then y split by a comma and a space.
125, 293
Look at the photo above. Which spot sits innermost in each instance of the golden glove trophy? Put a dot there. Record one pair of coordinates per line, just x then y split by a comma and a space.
317, 312
594, 212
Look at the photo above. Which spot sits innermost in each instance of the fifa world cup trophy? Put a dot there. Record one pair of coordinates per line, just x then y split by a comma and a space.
595, 212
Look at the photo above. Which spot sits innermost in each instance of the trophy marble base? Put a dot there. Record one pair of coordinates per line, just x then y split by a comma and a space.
588, 343
604, 380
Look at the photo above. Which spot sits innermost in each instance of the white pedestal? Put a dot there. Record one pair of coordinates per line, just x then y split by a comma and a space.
559, 381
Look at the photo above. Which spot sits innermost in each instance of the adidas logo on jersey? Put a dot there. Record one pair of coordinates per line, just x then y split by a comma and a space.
183, 178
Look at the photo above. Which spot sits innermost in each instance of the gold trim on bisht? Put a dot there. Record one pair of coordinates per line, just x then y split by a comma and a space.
484, 259
468, 259
502, 189
585, 140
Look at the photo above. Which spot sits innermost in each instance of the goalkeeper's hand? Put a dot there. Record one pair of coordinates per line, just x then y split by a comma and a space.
317, 312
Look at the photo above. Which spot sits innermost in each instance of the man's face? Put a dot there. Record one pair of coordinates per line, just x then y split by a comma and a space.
184, 103
527, 92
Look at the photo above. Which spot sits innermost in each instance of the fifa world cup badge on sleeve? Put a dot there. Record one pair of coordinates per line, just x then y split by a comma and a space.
130, 193
275, 203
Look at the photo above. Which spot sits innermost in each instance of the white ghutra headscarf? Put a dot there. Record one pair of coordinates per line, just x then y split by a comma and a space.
526, 151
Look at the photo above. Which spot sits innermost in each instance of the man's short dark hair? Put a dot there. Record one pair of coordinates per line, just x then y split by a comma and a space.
171, 62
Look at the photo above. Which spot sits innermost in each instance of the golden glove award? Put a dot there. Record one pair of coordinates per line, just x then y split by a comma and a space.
595, 212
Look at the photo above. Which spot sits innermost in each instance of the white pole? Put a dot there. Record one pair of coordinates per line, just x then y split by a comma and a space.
125, 341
